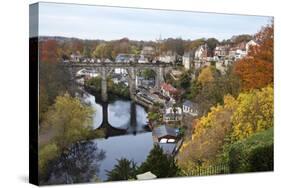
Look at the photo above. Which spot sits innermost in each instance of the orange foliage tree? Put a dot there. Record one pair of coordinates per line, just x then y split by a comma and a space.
256, 70
48, 51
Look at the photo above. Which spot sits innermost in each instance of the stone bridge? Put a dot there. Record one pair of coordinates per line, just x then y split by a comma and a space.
105, 69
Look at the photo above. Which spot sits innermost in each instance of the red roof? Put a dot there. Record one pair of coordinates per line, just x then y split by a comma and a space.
168, 87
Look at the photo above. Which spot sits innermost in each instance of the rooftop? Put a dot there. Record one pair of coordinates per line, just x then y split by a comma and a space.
164, 130
168, 87
189, 103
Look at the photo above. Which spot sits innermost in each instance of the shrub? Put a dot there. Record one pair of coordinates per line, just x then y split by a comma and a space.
252, 154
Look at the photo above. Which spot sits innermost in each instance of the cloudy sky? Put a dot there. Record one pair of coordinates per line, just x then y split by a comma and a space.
108, 23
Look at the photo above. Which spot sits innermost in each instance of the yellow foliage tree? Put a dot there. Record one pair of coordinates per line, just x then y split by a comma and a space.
254, 113
237, 119
206, 75
208, 137
67, 121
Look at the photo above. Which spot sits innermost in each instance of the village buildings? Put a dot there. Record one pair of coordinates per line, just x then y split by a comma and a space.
187, 60
191, 108
169, 91
168, 57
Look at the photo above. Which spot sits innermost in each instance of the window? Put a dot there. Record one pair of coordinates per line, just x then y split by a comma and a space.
171, 140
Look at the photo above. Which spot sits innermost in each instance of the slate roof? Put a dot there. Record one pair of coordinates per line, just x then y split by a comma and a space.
168, 148
164, 130
190, 104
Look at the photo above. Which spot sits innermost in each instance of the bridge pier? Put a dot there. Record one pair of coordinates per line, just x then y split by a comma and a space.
133, 119
132, 82
104, 95
159, 77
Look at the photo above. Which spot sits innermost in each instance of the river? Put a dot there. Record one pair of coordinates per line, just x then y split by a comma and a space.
127, 145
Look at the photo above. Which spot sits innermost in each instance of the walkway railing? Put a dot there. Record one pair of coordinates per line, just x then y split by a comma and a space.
212, 170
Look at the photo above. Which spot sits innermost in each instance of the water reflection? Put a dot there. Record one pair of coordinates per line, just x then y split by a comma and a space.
141, 117
97, 115
80, 164
120, 114
131, 147
126, 133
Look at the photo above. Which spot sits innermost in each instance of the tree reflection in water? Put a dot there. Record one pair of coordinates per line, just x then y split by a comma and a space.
80, 164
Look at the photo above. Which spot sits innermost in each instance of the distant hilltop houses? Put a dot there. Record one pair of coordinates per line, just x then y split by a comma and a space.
221, 56
171, 51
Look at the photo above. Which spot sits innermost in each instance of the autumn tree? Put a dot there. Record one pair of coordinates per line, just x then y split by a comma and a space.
206, 75
210, 88
256, 70
77, 45
70, 120
66, 122
213, 92
254, 113
48, 51
101, 51
196, 43
54, 80
241, 38
208, 137
235, 120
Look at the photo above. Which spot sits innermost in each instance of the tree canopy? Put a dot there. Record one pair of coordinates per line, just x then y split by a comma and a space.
159, 163
256, 70
254, 113
67, 121
124, 170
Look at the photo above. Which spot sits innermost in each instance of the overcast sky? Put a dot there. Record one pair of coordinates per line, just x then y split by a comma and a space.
108, 23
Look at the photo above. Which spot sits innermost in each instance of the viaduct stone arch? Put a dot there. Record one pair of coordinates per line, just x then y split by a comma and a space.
105, 70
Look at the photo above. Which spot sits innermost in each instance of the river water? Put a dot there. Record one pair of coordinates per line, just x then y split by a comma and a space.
127, 145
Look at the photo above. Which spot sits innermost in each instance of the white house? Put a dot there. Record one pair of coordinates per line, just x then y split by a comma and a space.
142, 59
125, 58
202, 52
76, 57
249, 44
221, 51
148, 51
107, 60
187, 60
190, 108
168, 57
172, 114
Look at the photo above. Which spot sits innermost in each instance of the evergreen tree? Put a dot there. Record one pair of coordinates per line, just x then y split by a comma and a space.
124, 169
159, 163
